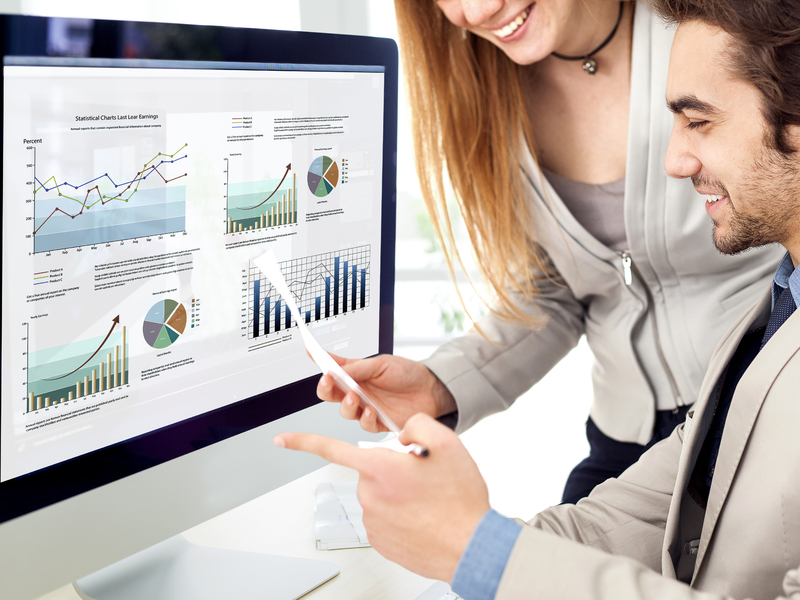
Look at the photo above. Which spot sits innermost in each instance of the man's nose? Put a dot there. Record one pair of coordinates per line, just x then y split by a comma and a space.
680, 161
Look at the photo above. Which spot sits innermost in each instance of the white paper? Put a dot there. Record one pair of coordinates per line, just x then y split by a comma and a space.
338, 517
268, 264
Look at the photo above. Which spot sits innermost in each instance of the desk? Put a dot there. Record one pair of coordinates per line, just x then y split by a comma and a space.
282, 522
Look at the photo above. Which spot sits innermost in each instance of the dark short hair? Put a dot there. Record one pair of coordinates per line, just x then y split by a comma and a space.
766, 51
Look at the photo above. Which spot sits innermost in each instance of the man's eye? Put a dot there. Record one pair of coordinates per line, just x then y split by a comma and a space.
695, 124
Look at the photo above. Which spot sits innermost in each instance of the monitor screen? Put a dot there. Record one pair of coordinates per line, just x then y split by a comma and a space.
145, 166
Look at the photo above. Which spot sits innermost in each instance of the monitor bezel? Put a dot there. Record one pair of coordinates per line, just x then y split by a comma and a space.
25, 494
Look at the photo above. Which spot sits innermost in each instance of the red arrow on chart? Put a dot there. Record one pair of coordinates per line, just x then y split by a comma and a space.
288, 168
116, 322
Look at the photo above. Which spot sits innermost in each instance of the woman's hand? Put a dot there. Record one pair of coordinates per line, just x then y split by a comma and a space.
401, 388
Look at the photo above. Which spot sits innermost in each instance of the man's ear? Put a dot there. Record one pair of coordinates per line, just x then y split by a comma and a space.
793, 136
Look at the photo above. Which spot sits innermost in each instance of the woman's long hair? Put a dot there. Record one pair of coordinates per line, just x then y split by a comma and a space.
470, 124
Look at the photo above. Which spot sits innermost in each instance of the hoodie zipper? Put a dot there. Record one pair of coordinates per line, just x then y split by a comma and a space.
628, 271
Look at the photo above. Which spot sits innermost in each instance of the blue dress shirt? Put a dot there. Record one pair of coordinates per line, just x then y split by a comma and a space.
483, 562
786, 276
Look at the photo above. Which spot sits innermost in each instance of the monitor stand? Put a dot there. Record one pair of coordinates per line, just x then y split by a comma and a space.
176, 569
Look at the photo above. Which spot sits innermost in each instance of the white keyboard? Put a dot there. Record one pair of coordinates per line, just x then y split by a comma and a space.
439, 591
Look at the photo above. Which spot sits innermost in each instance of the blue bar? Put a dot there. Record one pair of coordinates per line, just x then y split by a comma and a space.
278, 315
316, 309
308, 316
336, 286
355, 282
267, 301
327, 297
363, 288
344, 291
288, 318
256, 305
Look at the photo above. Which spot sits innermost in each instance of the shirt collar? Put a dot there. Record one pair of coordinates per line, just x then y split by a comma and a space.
786, 276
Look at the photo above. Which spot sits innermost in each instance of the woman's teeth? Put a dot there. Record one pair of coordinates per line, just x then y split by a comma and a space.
513, 26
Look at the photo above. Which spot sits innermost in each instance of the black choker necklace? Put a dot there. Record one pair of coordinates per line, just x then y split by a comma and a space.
589, 64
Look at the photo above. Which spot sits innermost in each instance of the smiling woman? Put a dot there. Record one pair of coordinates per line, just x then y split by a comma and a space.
558, 177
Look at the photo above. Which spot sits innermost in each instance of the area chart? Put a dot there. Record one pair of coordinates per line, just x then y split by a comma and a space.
78, 369
261, 204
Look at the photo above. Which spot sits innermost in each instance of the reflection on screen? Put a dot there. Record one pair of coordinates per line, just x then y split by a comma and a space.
136, 196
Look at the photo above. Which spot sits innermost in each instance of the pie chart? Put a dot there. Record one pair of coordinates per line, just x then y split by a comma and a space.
164, 323
323, 175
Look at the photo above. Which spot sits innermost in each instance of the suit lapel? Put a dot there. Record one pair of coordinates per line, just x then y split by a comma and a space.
745, 406
699, 423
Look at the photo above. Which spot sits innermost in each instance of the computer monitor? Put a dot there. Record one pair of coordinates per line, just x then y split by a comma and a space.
146, 361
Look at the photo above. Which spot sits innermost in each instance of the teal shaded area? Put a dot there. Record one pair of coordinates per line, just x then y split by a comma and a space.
242, 196
57, 361
149, 213
144, 205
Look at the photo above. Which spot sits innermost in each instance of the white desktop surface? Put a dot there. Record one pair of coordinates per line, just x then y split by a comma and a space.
282, 522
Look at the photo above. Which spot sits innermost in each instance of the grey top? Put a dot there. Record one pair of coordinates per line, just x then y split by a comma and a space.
600, 208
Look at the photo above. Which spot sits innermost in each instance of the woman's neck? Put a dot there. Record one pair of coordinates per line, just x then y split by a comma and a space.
587, 29
580, 122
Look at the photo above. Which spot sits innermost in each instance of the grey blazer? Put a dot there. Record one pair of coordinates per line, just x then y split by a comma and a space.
641, 534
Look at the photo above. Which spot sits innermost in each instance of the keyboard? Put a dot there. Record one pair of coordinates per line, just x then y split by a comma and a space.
439, 591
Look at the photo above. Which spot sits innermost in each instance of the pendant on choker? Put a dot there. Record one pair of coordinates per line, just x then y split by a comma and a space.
588, 64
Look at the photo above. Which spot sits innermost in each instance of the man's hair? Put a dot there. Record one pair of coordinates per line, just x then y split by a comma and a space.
766, 51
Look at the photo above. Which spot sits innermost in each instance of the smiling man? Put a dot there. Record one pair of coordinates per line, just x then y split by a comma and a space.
714, 508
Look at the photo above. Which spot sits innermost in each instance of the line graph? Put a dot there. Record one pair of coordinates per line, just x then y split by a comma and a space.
106, 211
324, 285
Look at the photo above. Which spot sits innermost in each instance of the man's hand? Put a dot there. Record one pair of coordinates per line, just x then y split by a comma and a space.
418, 512
400, 386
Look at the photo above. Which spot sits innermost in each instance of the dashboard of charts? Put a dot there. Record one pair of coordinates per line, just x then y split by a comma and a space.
136, 197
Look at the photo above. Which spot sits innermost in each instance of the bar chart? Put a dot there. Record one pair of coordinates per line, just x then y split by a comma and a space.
324, 286
77, 369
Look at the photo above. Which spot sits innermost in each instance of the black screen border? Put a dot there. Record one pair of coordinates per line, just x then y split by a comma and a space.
25, 36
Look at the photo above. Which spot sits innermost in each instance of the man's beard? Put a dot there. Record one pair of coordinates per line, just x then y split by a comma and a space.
771, 187
744, 232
